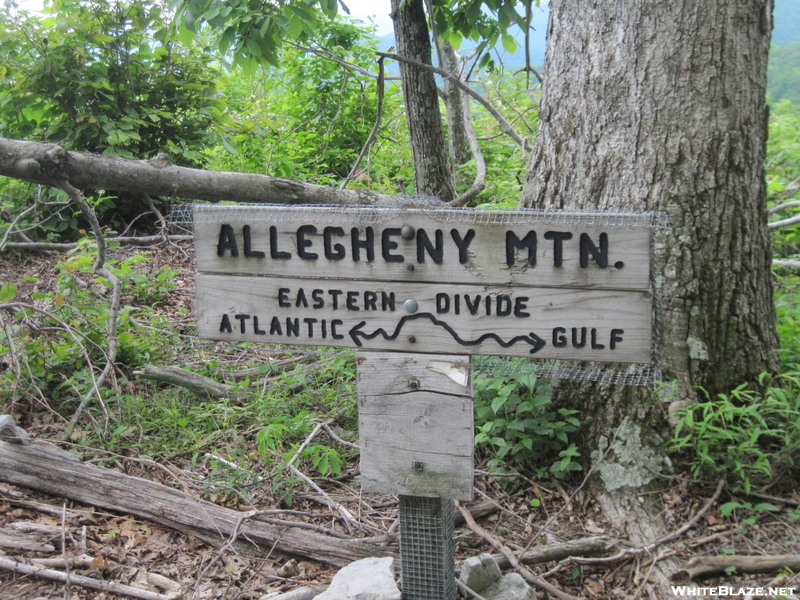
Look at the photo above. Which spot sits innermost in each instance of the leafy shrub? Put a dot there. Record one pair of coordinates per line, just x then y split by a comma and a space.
517, 426
110, 78
744, 434
783, 175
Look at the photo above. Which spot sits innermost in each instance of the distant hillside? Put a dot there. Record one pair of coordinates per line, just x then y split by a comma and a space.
783, 74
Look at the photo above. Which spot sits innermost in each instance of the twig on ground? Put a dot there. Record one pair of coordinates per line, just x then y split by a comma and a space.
468, 590
708, 565
347, 517
94, 584
512, 559
337, 439
630, 552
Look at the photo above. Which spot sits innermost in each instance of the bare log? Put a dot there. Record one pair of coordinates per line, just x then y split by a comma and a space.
50, 164
787, 264
709, 565
36, 467
142, 241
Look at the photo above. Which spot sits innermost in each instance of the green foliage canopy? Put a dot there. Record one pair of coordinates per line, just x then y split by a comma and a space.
109, 78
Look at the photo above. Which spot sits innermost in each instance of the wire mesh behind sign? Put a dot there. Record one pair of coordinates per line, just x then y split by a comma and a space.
182, 214
427, 546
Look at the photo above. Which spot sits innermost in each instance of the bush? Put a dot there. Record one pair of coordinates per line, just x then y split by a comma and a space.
518, 427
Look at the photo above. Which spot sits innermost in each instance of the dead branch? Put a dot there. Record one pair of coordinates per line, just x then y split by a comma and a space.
478, 511
784, 205
148, 240
278, 366
787, 264
87, 582
560, 551
37, 467
513, 561
49, 164
630, 552
784, 222
709, 565
203, 387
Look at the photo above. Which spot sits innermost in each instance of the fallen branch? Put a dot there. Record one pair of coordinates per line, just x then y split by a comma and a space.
36, 467
709, 565
50, 164
787, 264
149, 240
200, 385
552, 552
630, 552
513, 560
87, 582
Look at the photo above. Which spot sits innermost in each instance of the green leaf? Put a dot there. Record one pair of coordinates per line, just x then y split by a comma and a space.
509, 43
295, 28
7, 292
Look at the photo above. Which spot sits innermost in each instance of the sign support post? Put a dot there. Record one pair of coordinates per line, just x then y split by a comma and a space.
416, 435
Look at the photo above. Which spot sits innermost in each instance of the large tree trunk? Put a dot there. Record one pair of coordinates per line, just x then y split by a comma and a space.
420, 93
661, 106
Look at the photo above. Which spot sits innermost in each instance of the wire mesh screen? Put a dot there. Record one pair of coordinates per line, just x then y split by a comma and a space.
427, 548
186, 214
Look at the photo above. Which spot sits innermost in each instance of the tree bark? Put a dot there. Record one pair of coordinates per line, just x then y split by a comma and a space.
661, 107
420, 93
49, 164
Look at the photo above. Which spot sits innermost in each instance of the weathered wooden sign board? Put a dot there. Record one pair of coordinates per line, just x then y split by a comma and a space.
404, 281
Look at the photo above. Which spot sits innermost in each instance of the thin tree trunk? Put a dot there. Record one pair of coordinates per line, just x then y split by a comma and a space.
431, 168
661, 107
457, 138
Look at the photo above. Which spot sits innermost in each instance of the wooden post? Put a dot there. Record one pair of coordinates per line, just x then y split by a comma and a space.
416, 435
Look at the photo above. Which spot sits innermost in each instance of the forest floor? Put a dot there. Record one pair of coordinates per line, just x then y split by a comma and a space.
528, 513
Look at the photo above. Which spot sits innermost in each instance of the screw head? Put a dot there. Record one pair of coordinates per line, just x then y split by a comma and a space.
411, 306
407, 232
412, 339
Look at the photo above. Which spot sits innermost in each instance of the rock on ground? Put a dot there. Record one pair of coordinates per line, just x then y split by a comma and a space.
482, 575
366, 579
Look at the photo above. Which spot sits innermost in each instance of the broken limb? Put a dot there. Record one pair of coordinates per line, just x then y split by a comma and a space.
512, 559
87, 582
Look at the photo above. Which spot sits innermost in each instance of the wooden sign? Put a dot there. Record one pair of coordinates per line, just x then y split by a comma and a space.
557, 323
414, 247
465, 282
